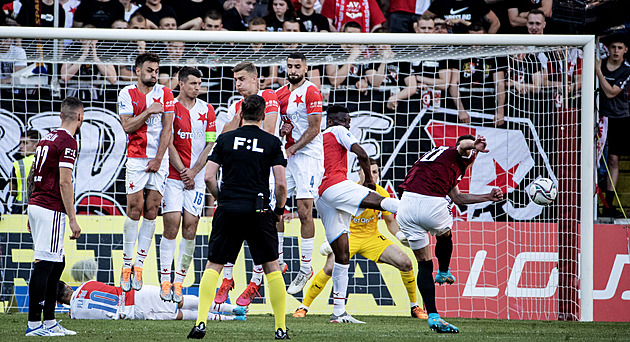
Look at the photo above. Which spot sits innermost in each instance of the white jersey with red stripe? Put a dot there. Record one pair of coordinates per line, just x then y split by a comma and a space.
337, 142
295, 107
95, 300
143, 143
192, 129
271, 106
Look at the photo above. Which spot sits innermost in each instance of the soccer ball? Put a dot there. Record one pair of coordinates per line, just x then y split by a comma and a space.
543, 191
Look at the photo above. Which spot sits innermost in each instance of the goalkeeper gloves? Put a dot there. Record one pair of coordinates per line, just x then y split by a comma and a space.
402, 238
325, 249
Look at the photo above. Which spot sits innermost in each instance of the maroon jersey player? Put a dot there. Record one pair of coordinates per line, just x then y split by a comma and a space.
51, 200
425, 209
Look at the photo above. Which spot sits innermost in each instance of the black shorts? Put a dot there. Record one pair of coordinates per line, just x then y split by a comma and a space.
617, 130
230, 228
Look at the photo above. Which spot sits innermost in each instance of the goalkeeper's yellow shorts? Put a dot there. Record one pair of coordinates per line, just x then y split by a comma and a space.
369, 247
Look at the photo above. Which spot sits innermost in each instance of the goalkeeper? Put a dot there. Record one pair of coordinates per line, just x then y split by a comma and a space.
366, 240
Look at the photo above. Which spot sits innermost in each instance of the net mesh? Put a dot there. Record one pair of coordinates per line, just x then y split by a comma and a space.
512, 259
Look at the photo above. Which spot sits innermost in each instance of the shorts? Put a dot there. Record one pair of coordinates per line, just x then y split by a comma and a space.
148, 305
370, 247
617, 130
420, 215
48, 228
304, 174
231, 225
137, 179
338, 204
177, 198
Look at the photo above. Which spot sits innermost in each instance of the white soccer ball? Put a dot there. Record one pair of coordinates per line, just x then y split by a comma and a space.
543, 191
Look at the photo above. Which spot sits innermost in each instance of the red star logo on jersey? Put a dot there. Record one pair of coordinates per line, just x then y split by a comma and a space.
203, 118
157, 99
131, 186
298, 100
73, 9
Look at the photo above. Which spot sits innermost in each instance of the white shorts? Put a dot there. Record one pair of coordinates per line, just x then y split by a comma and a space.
47, 228
304, 173
148, 305
420, 215
137, 179
338, 204
177, 198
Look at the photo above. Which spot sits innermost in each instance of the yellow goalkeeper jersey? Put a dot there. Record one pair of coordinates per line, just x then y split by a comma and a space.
366, 224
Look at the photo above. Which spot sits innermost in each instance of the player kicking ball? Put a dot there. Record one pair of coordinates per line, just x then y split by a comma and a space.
425, 209
367, 241
341, 198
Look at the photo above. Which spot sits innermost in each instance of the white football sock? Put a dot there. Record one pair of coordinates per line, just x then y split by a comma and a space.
186, 251
413, 305
188, 315
145, 237
390, 204
219, 317
306, 249
167, 252
227, 270
190, 302
280, 247
33, 325
130, 235
340, 287
49, 323
257, 274
223, 307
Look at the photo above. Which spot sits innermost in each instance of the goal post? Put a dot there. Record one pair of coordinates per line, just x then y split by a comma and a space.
527, 262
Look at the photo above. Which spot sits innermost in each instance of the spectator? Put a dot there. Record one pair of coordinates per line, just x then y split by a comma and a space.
536, 22
311, 21
518, 12
234, 19
314, 74
13, 59
169, 68
424, 24
461, 13
267, 74
130, 8
352, 74
138, 22
213, 21
100, 13
440, 26
190, 12
26, 16
476, 28
366, 13
125, 65
120, 24
154, 11
403, 14
279, 11
261, 9
613, 74
21, 168
168, 23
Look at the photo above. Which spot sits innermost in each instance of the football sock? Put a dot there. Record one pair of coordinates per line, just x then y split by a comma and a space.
223, 307
33, 325
409, 279
207, 290
426, 285
167, 252
340, 286
277, 297
37, 290
186, 251
227, 270
219, 317
280, 247
145, 237
257, 274
317, 286
49, 323
190, 302
188, 315
306, 248
130, 235
443, 251
390, 204
51, 290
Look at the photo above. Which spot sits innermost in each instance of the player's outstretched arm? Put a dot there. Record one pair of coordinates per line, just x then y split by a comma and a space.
67, 197
460, 198
211, 179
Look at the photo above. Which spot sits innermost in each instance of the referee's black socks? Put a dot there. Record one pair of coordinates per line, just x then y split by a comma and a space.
42, 290
443, 251
426, 285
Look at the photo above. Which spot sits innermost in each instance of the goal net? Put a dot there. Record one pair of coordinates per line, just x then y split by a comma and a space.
406, 94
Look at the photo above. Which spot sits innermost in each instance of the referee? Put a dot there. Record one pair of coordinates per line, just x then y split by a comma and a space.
246, 155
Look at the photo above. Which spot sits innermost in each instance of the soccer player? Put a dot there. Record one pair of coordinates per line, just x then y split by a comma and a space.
195, 134
246, 80
301, 111
366, 240
146, 114
340, 199
424, 208
96, 300
51, 199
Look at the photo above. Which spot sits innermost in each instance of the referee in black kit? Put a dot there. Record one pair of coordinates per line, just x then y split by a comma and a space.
246, 155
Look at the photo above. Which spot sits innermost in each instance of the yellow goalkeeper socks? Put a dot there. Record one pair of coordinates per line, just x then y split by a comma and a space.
409, 280
277, 297
207, 289
318, 284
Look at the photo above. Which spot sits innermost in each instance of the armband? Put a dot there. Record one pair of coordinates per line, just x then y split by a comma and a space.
279, 211
211, 136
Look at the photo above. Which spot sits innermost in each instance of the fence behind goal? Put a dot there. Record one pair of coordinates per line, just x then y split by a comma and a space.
406, 94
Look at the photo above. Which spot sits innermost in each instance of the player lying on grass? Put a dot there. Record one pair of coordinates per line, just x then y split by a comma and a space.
425, 209
96, 300
366, 240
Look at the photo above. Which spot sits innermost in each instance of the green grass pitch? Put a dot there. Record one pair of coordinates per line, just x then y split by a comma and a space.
317, 328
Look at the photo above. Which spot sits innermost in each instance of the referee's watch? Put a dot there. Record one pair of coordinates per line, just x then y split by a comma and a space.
278, 211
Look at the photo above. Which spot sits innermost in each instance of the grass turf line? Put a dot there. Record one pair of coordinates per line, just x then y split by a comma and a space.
317, 328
